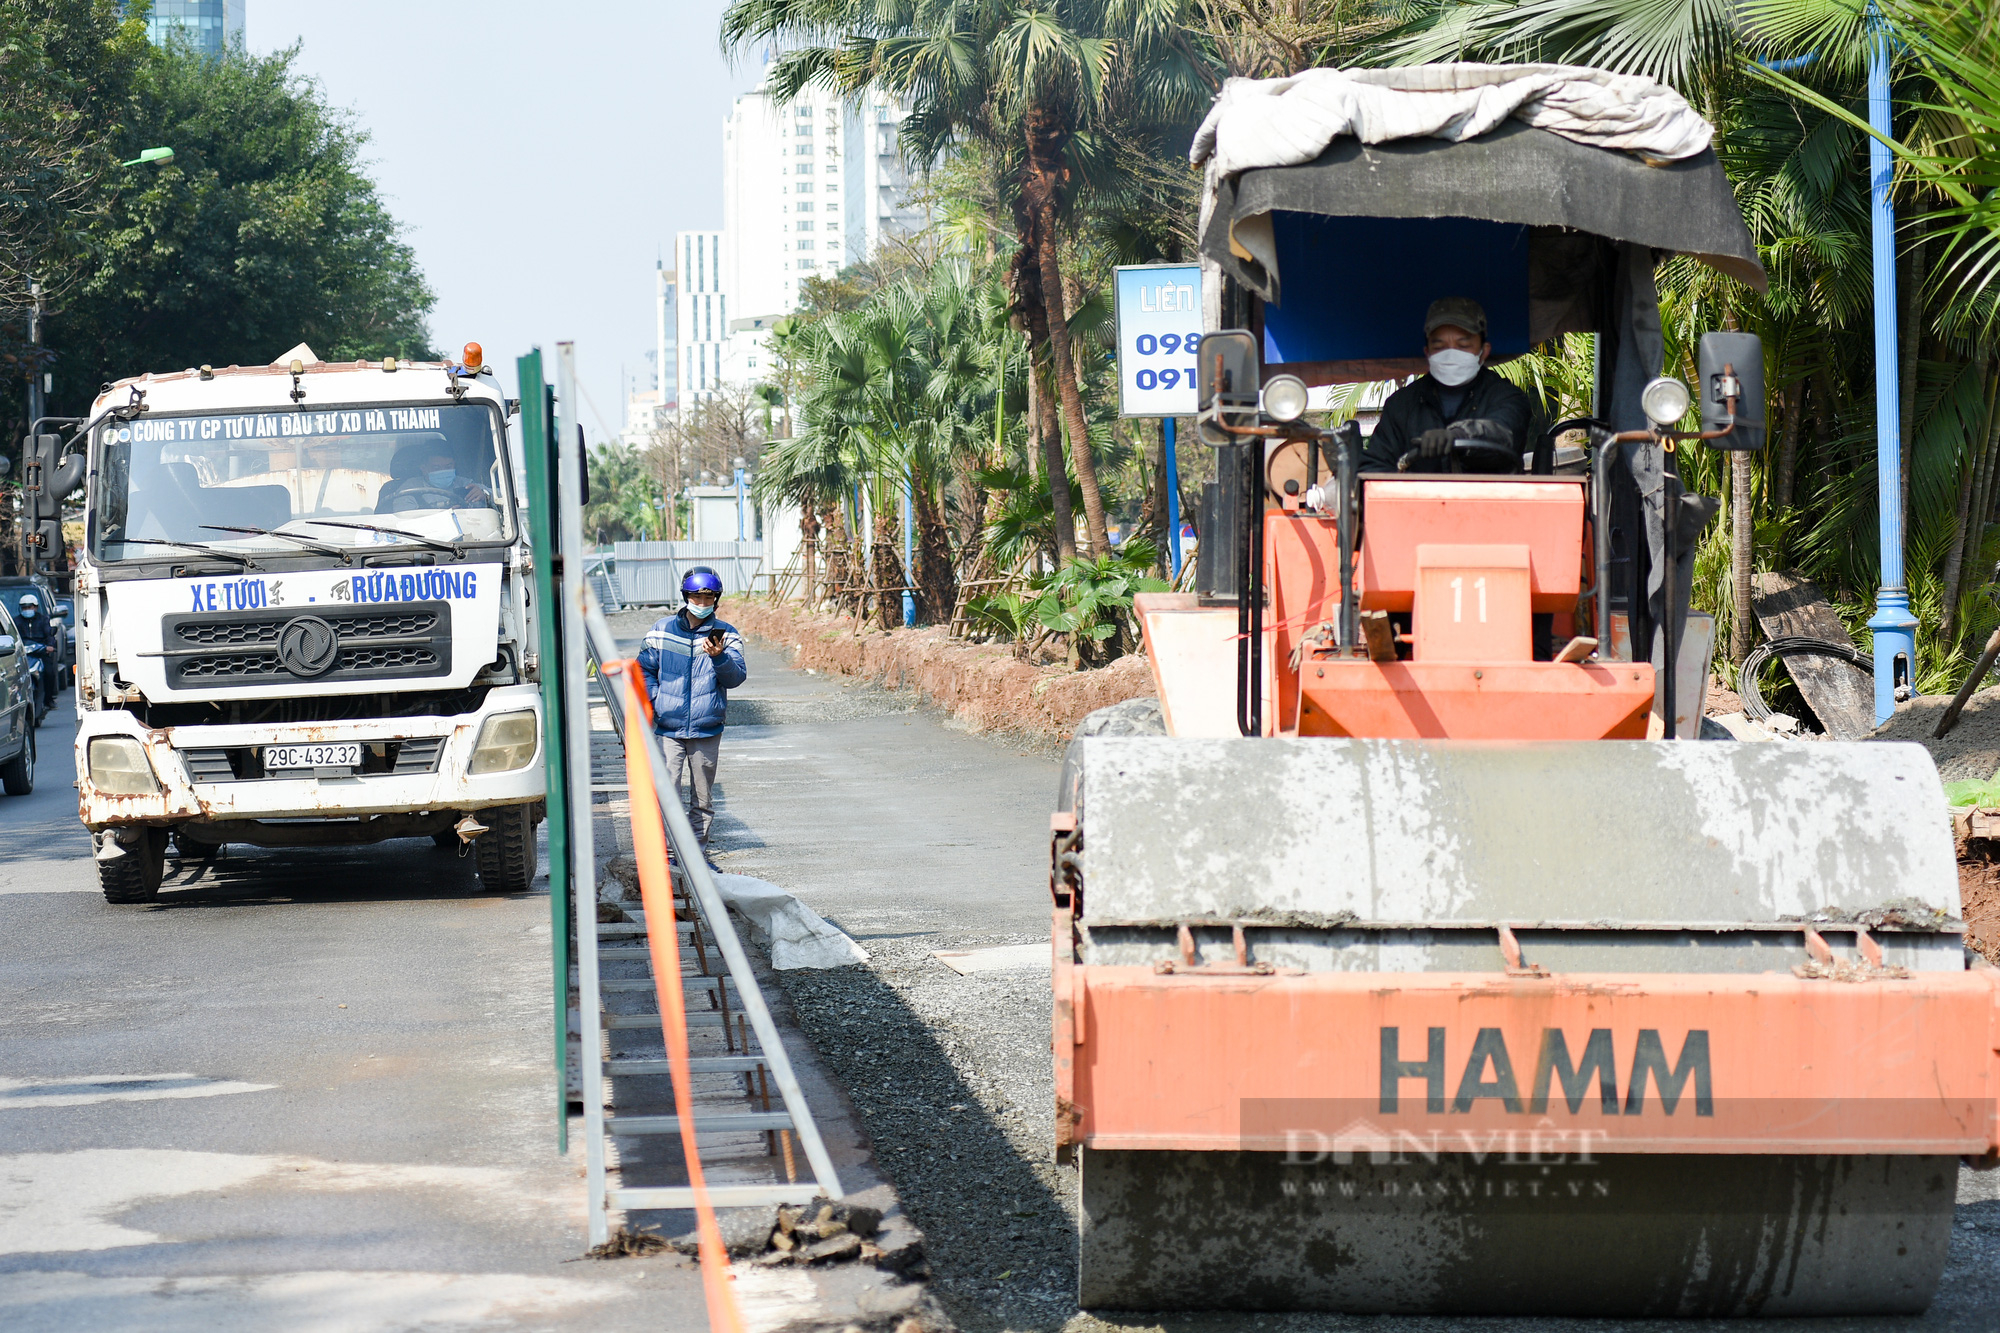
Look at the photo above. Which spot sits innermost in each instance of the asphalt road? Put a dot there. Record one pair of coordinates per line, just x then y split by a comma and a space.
305, 1090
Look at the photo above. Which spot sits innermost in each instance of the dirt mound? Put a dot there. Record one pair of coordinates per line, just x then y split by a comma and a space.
1979, 893
983, 685
1970, 751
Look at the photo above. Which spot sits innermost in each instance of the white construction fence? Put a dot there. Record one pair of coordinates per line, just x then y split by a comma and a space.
650, 573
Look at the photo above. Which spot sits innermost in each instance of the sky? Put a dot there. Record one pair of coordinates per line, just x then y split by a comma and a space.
540, 156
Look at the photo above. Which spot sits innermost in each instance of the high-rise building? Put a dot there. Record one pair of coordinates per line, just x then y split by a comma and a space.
808, 187
211, 27
650, 407
701, 322
877, 184
666, 335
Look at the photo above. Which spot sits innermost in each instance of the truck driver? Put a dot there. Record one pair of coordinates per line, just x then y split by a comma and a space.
1461, 399
435, 484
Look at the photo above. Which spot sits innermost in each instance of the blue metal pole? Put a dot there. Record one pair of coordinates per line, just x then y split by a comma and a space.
742, 527
1895, 628
1173, 497
909, 558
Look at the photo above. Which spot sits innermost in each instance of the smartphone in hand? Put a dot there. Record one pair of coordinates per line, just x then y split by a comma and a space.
715, 637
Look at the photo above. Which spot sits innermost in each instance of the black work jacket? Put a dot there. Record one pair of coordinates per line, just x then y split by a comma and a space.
36, 629
1414, 409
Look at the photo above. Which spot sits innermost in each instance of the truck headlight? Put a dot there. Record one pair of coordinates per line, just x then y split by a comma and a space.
506, 742
119, 767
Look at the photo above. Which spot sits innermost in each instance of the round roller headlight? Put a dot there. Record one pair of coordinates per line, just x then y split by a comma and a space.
1664, 401
1285, 398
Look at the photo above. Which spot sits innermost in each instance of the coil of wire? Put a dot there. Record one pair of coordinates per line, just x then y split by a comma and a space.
1782, 647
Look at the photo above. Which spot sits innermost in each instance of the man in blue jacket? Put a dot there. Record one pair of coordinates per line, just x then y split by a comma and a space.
691, 660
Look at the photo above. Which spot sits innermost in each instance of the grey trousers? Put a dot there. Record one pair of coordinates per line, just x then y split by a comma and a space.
697, 759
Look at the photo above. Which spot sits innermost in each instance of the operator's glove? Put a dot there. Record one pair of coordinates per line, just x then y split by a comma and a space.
1477, 428
1436, 443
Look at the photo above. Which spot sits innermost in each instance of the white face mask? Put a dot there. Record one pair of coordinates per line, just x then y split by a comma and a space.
1452, 367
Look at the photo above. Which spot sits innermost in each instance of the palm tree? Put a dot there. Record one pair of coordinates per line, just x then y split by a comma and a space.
894, 402
1031, 80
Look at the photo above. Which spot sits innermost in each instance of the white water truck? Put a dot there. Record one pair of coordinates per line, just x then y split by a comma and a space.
305, 617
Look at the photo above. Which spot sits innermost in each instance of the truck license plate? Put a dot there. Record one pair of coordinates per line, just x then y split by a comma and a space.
347, 755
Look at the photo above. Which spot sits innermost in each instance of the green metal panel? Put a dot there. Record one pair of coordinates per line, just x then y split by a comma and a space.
538, 450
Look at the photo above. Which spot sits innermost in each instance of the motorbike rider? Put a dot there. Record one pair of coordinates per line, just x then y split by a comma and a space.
40, 634
691, 660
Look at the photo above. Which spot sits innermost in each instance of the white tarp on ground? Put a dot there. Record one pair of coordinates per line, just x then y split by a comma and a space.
1284, 122
800, 937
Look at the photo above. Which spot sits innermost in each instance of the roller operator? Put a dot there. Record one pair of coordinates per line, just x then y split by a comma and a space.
1461, 416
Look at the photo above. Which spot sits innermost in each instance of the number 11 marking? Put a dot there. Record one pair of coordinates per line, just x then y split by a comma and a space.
1458, 598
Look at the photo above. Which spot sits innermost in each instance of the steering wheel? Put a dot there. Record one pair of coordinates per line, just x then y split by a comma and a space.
422, 497
1472, 455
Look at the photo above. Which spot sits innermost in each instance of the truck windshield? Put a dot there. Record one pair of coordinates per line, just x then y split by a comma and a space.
435, 472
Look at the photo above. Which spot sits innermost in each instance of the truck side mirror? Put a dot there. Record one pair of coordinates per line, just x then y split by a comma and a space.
7, 645
1228, 380
1740, 356
68, 479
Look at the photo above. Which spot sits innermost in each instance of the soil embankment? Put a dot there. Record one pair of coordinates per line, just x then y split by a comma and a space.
1969, 752
983, 686
1979, 895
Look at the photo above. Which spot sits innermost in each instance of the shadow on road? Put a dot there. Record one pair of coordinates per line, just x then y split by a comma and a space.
398, 870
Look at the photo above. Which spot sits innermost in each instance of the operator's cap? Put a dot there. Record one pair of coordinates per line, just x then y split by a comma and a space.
29, 599
1458, 311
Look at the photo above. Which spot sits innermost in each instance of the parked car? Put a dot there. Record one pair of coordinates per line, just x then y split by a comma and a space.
19, 711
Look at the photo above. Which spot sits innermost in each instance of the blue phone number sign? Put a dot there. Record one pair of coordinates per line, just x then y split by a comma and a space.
1159, 328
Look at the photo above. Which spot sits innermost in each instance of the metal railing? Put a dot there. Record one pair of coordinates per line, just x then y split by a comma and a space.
690, 872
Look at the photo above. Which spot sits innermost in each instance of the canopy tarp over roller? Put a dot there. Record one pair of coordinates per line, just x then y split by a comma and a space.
1349, 200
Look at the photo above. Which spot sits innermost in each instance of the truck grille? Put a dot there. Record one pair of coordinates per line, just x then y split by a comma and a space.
245, 763
206, 650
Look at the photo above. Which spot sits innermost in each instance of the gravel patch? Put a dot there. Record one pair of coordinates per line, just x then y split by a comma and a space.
1969, 752
952, 1076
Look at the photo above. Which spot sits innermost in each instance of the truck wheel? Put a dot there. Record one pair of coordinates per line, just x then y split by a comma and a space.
18, 773
506, 851
134, 877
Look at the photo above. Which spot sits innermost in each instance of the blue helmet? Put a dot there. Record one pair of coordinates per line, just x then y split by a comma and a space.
701, 579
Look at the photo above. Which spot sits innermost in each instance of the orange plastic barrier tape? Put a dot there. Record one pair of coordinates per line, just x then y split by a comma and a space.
649, 850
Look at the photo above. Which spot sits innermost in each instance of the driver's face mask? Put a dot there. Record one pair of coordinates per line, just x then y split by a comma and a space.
444, 478
700, 612
1452, 367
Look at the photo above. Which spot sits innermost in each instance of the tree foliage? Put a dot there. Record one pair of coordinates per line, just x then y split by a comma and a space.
66, 68
263, 231
1053, 135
